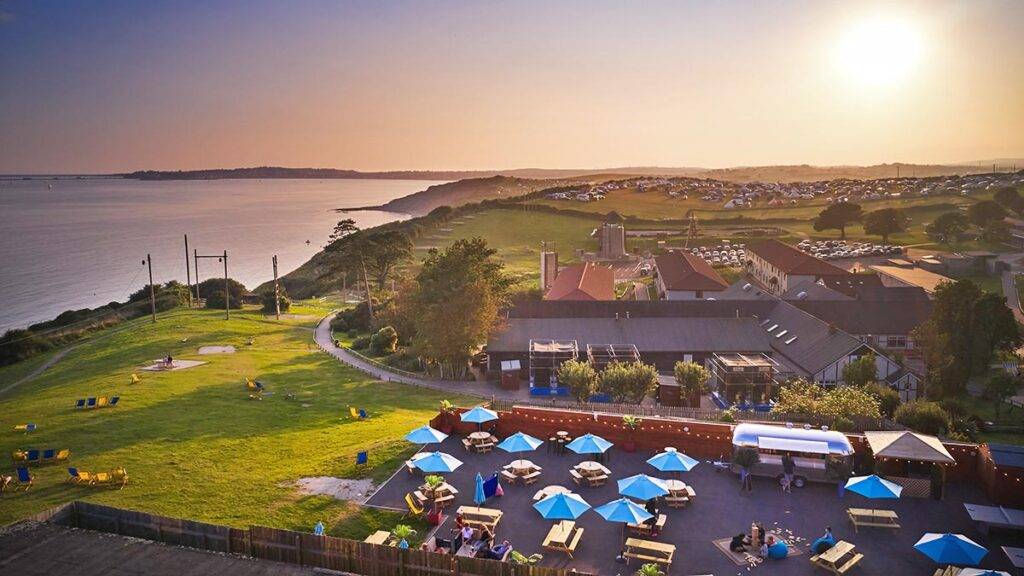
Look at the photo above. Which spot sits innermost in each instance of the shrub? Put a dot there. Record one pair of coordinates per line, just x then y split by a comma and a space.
963, 429
353, 333
267, 299
860, 371
630, 382
923, 416
404, 360
888, 399
843, 424
728, 415
955, 407
340, 324
18, 344
357, 317
746, 457
361, 343
691, 377
212, 291
579, 377
385, 341
801, 397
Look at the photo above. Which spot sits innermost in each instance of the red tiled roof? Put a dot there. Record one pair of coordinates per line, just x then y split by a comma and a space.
792, 261
583, 282
685, 271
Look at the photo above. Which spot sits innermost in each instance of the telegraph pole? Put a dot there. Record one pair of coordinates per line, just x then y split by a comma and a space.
188, 273
152, 291
195, 254
277, 292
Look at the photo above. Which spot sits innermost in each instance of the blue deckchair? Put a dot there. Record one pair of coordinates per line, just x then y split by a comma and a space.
32, 456
49, 454
24, 478
362, 414
361, 457
113, 401
80, 403
91, 403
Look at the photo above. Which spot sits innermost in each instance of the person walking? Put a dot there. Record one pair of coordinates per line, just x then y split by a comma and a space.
746, 483
788, 471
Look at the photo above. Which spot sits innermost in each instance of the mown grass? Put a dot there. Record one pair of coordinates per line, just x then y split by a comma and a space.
194, 444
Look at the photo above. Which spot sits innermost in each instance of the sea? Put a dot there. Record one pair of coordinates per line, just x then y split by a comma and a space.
80, 243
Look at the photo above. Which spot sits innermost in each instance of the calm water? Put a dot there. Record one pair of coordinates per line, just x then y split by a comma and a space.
81, 244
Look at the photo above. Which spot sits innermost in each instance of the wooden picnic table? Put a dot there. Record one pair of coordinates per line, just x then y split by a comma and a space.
1016, 555
649, 551
838, 559
521, 467
550, 491
591, 468
877, 518
561, 434
563, 536
479, 437
380, 537
480, 517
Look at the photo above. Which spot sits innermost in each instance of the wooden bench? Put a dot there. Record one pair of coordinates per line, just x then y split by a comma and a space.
677, 501
645, 529
947, 571
531, 477
648, 551
850, 563
484, 447
467, 444
877, 518
576, 476
596, 481
509, 476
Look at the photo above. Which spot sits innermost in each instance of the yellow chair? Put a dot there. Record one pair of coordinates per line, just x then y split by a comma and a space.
119, 474
19, 456
24, 427
414, 508
62, 455
83, 478
101, 478
101, 402
135, 379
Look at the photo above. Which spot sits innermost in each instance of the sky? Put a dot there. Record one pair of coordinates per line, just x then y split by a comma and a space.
106, 86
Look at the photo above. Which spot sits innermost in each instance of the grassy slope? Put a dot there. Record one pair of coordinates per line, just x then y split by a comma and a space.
193, 444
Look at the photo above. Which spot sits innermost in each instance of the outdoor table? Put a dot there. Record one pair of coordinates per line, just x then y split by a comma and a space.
591, 468
441, 490
479, 436
878, 518
379, 537
521, 467
835, 558
480, 517
561, 434
675, 487
550, 491
1016, 556
563, 537
649, 551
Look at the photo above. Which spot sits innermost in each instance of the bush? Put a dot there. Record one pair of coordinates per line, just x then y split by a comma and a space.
963, 429
888, 399
339, 325
361, 343
746, 457
923, 416
691, 377
728, 415
630, 382
385, 341
404, 360
18, 344
579, 377
843, 424
954, 407
357, 317
353, 333
267, 300
212, 291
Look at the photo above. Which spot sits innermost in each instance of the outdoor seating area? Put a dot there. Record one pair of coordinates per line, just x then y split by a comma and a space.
39, 457
556, 520
101, 402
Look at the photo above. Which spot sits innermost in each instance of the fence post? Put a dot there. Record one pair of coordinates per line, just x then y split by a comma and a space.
248, 537
298, 545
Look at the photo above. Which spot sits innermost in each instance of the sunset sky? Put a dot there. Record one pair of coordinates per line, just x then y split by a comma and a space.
118, 86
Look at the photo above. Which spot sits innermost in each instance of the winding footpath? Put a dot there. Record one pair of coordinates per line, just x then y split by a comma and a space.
323, 339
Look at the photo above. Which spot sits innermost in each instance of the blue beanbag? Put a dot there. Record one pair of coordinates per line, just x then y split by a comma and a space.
778, 551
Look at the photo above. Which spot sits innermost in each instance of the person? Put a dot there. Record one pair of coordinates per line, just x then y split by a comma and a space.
168, 362
498, 552
460, 521
486, 536
788, 470
738, 543
466, 532
746, 484
651, 506
826, 541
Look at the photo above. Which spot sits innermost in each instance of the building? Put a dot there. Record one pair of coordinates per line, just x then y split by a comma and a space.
611, 240
588, 281
777, 266
664, 332
739, 378
898, 276
548, 270
683, 276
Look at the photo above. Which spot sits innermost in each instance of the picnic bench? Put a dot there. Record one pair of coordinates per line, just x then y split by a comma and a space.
645, 529
379, 537
480, 517
564, 537
648, 551
997, 516
877, 518
838, 559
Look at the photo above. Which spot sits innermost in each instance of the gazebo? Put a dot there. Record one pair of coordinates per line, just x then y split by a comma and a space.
915, 461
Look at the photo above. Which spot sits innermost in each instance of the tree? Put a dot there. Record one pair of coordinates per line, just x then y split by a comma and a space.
946, 337
923, 416
885, 222
383, 251
1009, 198
385, 341
838, 217
1001, 386
981, 213
888, 399
995, 231
691, 377
803, 398
993, 329
860, 371
628, 382
267, 299
212, 291
343, 228
457, 295
579, 377
947, 228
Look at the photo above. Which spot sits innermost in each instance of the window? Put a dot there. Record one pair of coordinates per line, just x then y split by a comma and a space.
896, 342
700, 294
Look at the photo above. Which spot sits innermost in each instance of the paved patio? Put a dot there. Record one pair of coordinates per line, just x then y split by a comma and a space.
719, 511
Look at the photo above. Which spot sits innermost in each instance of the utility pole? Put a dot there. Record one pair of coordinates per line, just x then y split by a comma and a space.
152, 291
188, 273
277, 292
195, 254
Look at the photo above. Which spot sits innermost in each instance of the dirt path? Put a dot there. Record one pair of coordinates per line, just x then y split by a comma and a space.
39, 370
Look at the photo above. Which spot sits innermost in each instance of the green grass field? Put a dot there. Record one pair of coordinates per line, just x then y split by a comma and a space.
193, 443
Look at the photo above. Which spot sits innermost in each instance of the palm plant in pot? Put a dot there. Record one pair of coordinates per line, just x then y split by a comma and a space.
445, 420
650, 569
516, 558
631, 423
401, 534
433, 482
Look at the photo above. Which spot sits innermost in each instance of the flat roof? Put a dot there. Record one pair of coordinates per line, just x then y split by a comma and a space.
913, 276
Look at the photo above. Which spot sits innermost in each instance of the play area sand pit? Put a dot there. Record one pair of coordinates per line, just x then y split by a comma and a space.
216, 350
160, 366
340, 488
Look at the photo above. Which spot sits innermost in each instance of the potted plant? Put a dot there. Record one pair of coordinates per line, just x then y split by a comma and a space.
446, 416
517, 558
631, 423
433, 482
650, 569
401, 534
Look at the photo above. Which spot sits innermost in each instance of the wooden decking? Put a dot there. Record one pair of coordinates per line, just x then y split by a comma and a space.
42, 549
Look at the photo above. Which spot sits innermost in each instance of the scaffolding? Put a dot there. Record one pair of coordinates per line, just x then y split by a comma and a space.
545, 358
744, 378
601, 355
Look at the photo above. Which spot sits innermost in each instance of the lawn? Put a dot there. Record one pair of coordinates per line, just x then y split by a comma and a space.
193, 443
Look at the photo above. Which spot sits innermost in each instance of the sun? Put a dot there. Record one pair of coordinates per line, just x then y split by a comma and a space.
880, 50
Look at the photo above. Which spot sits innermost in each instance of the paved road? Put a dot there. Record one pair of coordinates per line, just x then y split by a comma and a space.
323, 339
1010, 292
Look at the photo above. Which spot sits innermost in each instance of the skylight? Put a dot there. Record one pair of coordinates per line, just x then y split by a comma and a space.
781, 333
773, 327
791, 340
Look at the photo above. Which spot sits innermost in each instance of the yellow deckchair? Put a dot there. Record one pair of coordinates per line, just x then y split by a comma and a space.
101, 402
135, 379
414, 508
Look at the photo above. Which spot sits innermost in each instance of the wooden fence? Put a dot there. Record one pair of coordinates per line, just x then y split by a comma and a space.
301, 548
